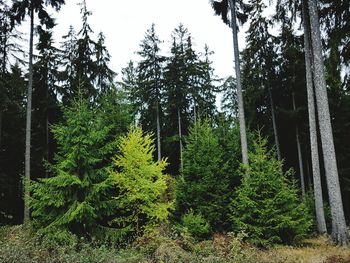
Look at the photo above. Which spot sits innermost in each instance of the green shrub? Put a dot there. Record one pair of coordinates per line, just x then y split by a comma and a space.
267, 206
195, 224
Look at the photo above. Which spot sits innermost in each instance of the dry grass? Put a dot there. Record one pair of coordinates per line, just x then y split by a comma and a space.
316, 250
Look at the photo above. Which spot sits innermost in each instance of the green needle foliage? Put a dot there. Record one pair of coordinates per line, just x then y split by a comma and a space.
141, 185
77, 197
267, 206
203, 186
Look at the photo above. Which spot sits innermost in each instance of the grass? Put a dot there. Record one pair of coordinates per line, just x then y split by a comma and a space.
19, 244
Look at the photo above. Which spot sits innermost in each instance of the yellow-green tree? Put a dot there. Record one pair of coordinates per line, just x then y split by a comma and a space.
140, 183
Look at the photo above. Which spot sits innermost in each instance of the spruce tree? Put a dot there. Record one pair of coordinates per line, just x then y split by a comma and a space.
203, 186
77, 198
267, 206
19, 10
151, 84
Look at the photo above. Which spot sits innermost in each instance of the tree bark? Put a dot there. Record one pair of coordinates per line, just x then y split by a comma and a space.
300, 156
158, 133
180, 139
274, 125
339, 231
315, 162
29, 113
0, 128
242, 126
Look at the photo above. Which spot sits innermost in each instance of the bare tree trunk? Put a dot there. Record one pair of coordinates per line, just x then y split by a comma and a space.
0, 127
194, 112
300, 156
158, 134
339, 231
242, 126
180, 139
274, 125
29, 113
315, 161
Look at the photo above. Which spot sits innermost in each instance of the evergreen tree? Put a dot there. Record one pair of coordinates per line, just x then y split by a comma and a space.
19, 10
13, 85
78, 197
237, 9
266, 206
259, 69
339, 231
202, 186
320, 217
151, 85
104, 75
68, 75
206, 88
177, 94
45, 99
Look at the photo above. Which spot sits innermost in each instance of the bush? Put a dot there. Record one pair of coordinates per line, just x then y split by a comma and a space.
195, 224
266, 205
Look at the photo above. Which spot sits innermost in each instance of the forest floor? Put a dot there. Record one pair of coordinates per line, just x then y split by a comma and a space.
18, 244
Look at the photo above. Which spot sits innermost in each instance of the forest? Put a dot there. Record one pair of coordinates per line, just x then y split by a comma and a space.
165, 161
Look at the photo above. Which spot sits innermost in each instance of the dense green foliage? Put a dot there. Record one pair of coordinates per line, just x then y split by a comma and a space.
203, 186
267, 206
77, 196
93, 177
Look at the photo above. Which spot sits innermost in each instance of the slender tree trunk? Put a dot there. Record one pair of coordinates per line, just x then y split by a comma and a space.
242, 126
315, 162
339, 231
47, 149
158, 134
180, 139
274, 125
300, 156
194, 112
29, 113
0, 128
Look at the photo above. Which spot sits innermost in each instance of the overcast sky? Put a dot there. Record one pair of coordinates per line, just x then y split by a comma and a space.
124, 24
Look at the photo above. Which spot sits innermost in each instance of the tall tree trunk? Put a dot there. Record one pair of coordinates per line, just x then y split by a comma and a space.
242, 126
0, 127
315, 161
274, 125
158, 134
300, 156
339, 231
194, 112
47, 149
180, 139
29, 113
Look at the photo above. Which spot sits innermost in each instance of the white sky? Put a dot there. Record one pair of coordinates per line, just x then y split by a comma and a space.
124, 24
